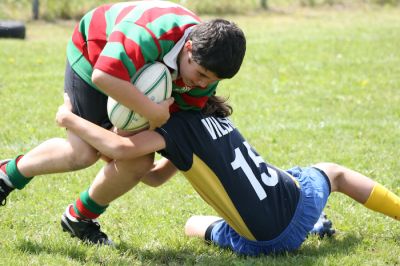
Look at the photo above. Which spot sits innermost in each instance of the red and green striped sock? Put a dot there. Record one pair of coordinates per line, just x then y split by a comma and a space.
18, 180
86, 208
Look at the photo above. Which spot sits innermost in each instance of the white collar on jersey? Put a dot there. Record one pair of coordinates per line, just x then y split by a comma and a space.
171, 58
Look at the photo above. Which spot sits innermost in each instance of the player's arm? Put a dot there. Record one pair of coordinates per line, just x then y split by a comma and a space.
128, 95
161, 172
107, 142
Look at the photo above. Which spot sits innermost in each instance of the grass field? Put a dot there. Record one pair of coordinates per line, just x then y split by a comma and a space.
315, 86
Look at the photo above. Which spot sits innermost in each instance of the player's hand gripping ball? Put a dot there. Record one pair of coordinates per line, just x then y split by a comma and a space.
154, 81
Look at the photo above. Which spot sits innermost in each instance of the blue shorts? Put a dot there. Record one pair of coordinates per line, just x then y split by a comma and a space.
315, 189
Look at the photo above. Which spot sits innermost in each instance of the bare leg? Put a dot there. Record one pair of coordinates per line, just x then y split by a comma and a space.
58, 155
347, 181
113, 180
197, 225
118, 177
362, 189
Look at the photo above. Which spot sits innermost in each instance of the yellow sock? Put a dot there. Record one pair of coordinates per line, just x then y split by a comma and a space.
384, 201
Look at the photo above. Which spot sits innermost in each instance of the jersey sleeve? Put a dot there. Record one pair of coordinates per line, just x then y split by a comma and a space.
181, 157
128, 48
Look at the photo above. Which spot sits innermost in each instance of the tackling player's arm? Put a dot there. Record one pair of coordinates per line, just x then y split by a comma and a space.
161, 172
128, 95
107, 142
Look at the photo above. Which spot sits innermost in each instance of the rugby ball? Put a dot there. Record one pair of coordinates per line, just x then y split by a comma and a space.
154, 81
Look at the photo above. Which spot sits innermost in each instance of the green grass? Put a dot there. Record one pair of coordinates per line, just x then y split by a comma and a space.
52, 10
315, 86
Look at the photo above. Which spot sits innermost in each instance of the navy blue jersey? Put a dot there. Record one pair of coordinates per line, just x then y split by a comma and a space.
257, 199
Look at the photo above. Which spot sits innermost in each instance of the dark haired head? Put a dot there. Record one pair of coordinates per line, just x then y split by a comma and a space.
219, 46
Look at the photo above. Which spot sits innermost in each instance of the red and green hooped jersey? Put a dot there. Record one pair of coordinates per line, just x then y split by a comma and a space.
120, 38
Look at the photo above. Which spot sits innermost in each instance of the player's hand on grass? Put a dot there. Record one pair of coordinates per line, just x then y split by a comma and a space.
163, 116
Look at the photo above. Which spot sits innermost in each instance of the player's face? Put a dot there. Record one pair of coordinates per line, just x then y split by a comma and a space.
192, 74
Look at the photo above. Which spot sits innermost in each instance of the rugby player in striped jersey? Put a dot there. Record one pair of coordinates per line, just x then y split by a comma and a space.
108, 46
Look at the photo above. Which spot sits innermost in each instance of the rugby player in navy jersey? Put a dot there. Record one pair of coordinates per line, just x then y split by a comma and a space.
264, 209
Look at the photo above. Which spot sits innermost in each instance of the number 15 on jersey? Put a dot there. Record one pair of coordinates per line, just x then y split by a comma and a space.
269, 179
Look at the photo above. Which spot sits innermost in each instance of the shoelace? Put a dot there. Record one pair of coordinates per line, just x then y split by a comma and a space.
93, 232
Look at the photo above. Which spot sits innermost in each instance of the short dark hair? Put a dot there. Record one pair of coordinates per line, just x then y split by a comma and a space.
217, 106
218, 45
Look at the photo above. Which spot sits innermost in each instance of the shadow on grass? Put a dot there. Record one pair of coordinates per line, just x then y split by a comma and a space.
330, 246
326, 247
125, 252
74, 253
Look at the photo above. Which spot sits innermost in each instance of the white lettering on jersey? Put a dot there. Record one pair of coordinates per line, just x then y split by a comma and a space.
217, 127
226, 123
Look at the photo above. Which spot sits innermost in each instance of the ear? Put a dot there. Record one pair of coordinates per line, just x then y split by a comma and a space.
188, 45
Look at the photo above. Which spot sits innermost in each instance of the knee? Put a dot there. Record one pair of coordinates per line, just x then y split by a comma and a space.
335, 173
83, 158
132, 169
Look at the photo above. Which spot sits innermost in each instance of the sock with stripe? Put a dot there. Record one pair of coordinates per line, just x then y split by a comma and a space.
86, 208
384, 201
13, 177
